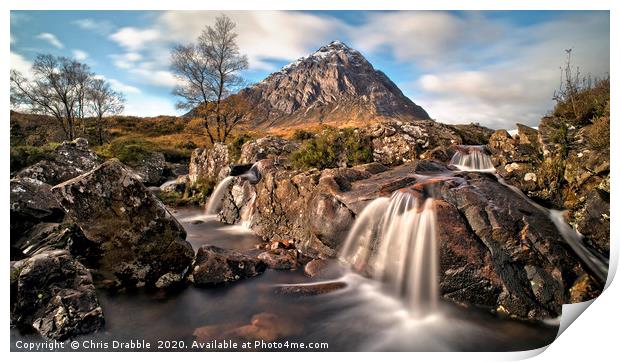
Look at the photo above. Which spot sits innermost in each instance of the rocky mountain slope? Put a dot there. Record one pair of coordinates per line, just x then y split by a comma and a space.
335, 85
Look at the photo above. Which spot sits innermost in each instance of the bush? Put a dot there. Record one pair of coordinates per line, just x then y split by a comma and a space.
24, 156
598, 133
302, 135
333, 148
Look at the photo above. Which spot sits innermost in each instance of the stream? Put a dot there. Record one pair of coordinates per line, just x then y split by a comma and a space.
359, 317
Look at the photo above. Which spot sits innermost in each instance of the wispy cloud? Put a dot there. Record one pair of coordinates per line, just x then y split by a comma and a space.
51, 39
134, 39
79, 55
101, 27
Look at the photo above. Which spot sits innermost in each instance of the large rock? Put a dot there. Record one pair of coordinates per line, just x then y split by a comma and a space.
472, 134
140, 240
525, 268
213, 266
266, 147
152, 169
69, 160
54, 295
52, 236
207, 164
32, 203
397, 142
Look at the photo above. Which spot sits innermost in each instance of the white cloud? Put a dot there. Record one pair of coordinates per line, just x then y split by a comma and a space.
149, 106
263, 35
52, 39
122, 87
79, 55
101, 27
134, 39
512, 79
20, 64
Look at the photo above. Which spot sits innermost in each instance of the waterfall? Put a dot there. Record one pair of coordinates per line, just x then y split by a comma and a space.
215, 200
596, 263
395, 242
472, 158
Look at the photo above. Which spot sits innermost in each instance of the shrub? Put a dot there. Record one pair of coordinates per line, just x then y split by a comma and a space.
598, 133
302, 135
24, 156
332, 148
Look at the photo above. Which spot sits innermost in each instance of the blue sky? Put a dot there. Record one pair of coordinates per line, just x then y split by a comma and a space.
492, 67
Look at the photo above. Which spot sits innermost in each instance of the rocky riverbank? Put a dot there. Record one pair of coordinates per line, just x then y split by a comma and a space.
88, 223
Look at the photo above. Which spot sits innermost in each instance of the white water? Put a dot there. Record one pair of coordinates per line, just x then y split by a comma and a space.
215, 200
472, 158
395, 242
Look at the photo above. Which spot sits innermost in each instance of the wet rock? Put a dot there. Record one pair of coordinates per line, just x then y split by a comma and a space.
139, 239
593, 220
207, 164
69, 160
266, 147
315, 267
151, 169
280, 259
32, 203
330, 219
177, 185
397, 142
309, 289
51, 236
267, 327
169, 280
54, 295
529, 261
214, 265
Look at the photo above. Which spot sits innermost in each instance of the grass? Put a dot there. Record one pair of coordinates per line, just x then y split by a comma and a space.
24, 156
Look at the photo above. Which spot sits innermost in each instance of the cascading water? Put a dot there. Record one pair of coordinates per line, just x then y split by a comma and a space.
395, 242
597, 263
472, 158
215, 200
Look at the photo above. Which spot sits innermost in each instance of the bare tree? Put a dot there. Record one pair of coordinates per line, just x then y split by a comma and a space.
209, 71
55, 90
103, 101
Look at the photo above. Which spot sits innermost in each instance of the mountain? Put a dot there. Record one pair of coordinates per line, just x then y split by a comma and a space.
335, 85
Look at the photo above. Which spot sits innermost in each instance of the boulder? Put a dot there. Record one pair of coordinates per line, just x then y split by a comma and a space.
472, 134
266, 327
54, 295
315, 267
207, 164
213, 266
280, 259
139, 239
396, 142
151, 169
51, 236
266, 147
32, 203
69, 160
525, 263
